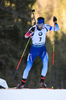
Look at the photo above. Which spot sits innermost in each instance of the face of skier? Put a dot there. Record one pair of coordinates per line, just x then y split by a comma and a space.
40, 26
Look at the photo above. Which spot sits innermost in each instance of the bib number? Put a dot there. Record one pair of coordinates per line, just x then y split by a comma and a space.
40, 38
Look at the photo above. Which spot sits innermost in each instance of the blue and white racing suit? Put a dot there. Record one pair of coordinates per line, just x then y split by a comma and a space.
38, 48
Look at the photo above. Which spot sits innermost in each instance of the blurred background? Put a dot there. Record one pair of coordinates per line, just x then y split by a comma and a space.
15, 20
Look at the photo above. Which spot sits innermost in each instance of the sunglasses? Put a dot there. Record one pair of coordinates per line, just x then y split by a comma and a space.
41, 24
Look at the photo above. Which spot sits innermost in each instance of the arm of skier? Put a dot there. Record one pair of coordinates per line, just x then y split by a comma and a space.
30, 31
56, 27
51, 28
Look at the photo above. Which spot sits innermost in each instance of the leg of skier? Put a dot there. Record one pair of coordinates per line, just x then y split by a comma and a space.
44, 58
26, 71
31, 57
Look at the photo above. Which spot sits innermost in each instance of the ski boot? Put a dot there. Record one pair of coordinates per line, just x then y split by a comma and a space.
21, 85
42, 83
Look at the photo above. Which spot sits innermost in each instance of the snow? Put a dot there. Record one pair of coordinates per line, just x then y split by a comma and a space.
3, 83
32, 94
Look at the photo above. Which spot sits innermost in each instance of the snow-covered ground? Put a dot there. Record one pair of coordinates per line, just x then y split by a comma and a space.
32, 94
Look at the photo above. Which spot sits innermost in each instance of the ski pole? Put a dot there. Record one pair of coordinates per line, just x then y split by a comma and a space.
24, 49
33, 10
21, 59
53, 56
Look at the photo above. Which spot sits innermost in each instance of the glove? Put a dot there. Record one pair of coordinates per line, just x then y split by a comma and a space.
29, 32
54, 19
32, 29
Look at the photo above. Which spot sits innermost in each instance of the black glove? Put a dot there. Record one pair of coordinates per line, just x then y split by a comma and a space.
32, 29
54, 19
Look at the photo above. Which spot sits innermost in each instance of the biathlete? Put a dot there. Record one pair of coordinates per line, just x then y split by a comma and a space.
38, 34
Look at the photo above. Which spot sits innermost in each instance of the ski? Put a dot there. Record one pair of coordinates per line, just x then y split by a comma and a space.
31, 88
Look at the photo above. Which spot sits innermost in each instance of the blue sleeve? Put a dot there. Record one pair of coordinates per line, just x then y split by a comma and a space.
51, 28
56, 27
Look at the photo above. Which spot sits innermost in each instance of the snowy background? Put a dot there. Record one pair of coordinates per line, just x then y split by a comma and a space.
32, 94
